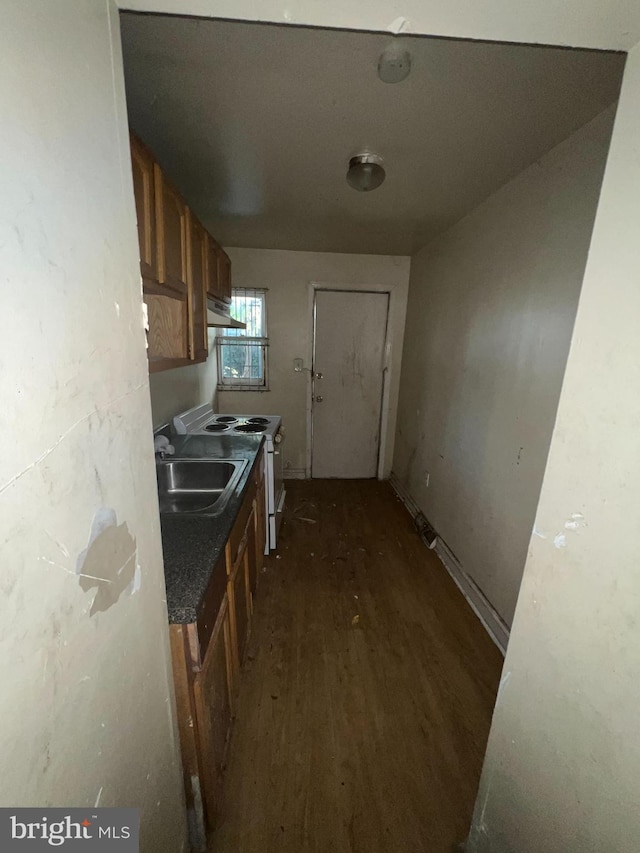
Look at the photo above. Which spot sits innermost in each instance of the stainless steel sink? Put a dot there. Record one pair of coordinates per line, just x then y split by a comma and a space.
203, 486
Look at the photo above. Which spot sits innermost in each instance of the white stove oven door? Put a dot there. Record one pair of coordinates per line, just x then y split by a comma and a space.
276, 502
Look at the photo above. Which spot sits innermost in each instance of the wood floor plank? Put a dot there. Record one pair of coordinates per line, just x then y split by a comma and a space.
368, 688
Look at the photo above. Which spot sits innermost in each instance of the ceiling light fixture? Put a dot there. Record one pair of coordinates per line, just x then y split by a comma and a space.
394, 64
365, 172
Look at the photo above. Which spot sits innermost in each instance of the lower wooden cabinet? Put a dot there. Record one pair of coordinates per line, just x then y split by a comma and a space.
213, 698
240, 595
207, 662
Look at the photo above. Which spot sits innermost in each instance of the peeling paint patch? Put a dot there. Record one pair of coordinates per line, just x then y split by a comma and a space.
108, 563
503, 683
575, 521
136, 580
560, 541
399, 25
60, 545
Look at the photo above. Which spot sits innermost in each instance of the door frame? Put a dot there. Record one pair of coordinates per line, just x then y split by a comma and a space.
385, 401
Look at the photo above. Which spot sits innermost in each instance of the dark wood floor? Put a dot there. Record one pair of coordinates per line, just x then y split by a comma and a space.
367, 691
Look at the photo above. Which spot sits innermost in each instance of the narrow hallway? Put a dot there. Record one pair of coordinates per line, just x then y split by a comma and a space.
368, 690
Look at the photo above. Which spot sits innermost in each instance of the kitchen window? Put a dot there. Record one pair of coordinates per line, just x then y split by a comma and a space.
242, 353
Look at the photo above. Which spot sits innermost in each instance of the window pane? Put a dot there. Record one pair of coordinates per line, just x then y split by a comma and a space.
249, 309
242, 362
242, 353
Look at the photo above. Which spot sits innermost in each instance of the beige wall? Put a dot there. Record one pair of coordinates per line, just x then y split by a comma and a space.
81, 719
288, 277
86, 700
491, 308
174, 391
562, 772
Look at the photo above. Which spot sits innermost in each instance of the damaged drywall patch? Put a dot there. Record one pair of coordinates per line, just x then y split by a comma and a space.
108, 563
503, 683
575, 522
399, 25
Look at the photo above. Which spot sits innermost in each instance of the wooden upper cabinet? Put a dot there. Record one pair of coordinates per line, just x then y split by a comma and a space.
144, 190
211, 252
180, 264
218, 271
171, 226
168, 338
196, 279
224, 275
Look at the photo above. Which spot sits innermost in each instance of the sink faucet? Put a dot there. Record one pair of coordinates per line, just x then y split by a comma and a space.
162, 447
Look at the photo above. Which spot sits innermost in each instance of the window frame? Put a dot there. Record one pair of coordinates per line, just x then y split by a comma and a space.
223, 340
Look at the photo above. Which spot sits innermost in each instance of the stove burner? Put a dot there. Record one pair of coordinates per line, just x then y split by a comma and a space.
217, 427
258, 421
226, 419
250, 427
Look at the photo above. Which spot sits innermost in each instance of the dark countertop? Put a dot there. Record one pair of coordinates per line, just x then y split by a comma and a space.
192, 545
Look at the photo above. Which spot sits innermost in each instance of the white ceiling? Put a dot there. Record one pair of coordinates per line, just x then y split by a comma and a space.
255, 124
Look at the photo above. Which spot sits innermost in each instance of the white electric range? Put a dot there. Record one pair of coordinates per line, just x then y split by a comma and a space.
203, 420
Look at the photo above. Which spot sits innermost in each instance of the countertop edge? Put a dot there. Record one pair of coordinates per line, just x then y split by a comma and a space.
192, 546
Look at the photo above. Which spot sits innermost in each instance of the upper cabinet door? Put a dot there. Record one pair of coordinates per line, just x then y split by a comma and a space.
224, 275
143, 188
211, 253
171, 226
196, 279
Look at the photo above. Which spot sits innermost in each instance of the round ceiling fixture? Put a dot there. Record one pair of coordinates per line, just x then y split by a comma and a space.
394, 64
365, 172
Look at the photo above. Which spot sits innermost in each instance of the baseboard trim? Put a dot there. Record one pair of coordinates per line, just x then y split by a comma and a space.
404, 495
479, 603
295, 474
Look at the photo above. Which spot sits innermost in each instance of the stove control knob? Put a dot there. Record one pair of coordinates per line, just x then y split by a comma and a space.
319, 399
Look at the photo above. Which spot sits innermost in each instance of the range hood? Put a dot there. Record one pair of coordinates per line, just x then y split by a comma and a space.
218, 314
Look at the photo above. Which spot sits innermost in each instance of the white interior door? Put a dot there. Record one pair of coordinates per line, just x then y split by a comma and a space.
349, 341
